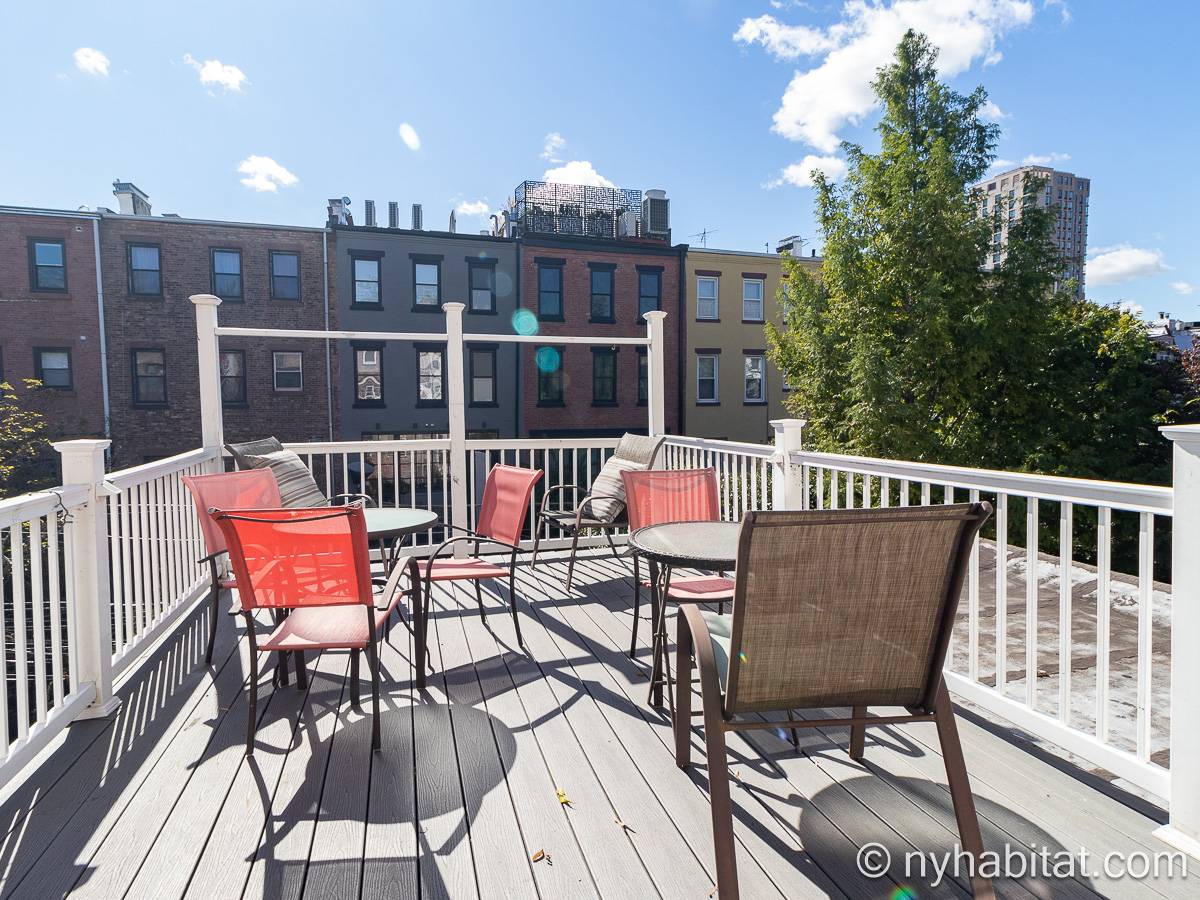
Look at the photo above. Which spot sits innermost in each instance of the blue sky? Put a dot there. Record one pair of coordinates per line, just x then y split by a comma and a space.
687, 95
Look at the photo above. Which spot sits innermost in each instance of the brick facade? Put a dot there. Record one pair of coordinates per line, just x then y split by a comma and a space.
67, 319
167, 322
579, 414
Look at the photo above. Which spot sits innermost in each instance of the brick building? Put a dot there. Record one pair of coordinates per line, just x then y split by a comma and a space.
591, 262
50, 315
268, 276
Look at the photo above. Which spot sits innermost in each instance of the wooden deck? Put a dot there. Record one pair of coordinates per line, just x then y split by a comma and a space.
160, 801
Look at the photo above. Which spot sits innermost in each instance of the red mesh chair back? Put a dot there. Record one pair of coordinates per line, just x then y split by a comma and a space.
298, 557
252, 489
677, 495
505, 505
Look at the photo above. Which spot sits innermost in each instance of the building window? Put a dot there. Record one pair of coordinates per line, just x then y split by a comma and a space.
285, 275
752, 299
550, 383
367, 281
706, 378
643, 377
483, 376
649, 292
706, 298
52, 367
483, 286
755, 373
602, 295
604, 376
149, 377
368, 375
550, 305
427, 282
289, 370
227, 274
47, 265
145, 270
431, 376
233, 377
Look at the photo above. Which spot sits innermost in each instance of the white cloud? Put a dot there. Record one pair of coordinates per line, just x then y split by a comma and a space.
553, 146
264, 174
577, 171
1129, 307
1064, 11
1045, 159
992, 112
800, 174
998, 164
1112, 265
473, 208
836, 92
91, 61
409, 135
215, 72
1183, 287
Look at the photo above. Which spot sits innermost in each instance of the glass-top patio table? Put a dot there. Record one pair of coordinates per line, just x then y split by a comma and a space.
388, 527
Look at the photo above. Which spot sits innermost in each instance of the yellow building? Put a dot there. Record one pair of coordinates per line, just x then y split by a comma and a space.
730, 390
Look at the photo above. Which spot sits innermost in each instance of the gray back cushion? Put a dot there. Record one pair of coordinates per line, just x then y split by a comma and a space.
297, 488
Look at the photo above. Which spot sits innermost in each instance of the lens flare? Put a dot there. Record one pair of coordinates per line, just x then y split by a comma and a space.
524, 322
743, 657
548, 359
904, 892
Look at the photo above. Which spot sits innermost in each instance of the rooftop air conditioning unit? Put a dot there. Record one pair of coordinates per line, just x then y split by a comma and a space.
656, 214
627, 224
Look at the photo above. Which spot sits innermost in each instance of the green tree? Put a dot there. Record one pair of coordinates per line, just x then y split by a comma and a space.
25, 457
903, 346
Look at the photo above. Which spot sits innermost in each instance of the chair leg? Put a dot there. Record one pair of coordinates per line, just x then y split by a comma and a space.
301, 672
718, 793
683, 696
214, 610
969, 835
858, 733
479, 600
612, 546
420, 622
571, 561
512, 601
537, 541
373, 662
252, 699
637, 602
355, 698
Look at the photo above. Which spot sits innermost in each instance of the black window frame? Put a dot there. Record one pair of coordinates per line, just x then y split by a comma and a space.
243, 400
761, 356
440, 349
557, 266
275, 373
271, 276
426, 259
130, 246
376, 257
598, 354
240, 296
657, 272
34, 268
38, 372
486, 264
135, 387
368, 403
552, 377
610, 270
489, 350
643, 377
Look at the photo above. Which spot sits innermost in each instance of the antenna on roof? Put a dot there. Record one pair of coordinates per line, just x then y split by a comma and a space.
703, 234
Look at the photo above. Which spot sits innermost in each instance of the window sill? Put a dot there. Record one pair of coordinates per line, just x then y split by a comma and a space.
240, 404
754, 403
238, 300
293, 392
551, 404
426, 308
286, 299
705, 321
369, 404
754, 321
602, 321
133, 296
542, 318
373, 306
482, 312
708, 402
474, 405
431, 404
163, 405
63, 294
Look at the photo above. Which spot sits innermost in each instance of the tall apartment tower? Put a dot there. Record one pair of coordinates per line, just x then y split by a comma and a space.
1005, 194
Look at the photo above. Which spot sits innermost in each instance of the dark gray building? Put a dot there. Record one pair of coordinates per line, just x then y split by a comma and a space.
396, 279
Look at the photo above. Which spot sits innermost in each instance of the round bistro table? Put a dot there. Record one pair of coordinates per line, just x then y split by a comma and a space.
388, 527
708, 546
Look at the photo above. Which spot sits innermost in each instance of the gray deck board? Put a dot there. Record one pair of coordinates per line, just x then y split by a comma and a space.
160, 801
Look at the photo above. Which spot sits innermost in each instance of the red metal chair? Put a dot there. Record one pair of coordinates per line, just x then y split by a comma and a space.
252, 489
677, 495
312, 564
502, 515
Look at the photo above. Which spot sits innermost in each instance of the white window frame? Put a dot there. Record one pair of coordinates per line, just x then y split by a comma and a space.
275, 354
762, 300
716, 379
716, 298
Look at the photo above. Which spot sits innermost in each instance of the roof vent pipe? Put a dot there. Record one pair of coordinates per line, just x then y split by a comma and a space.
369, 211
393, 214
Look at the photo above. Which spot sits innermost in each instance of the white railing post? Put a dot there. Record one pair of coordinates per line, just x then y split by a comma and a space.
787, 489
656, 389
1183, 829
91, 597
457, 408
212, 429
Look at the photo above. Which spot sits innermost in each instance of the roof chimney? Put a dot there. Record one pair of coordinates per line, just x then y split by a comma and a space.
453, 222
369, 212
133, 201
790, 244
393, 214
416, 217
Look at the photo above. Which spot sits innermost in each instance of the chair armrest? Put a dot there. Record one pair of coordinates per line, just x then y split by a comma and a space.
366, 498
691, 620
388, 594
554, 490
474, 538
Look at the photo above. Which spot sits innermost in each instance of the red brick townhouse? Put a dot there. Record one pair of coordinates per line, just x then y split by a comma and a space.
50, 315
592, 261
269, 276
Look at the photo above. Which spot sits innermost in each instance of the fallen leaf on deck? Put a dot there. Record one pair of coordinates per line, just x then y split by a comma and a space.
624, 826
539, 856
562, 797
